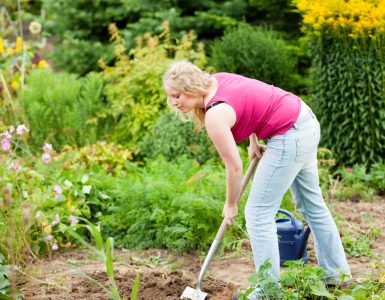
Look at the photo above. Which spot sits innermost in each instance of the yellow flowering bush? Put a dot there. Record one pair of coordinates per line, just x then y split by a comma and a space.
357, 18
348, 75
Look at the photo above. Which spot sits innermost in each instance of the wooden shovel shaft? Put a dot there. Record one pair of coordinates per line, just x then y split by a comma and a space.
244, 183
223, 227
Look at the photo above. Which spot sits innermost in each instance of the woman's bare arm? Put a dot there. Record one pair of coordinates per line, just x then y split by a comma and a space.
218, 123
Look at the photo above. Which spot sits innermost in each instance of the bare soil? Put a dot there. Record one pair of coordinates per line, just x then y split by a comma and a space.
164, 275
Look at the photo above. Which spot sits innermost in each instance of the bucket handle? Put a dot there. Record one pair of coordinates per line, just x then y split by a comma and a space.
290, 215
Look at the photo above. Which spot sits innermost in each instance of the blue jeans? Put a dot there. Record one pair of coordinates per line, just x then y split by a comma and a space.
290, 161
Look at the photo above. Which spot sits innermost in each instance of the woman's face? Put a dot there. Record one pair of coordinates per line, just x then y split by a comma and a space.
183, 102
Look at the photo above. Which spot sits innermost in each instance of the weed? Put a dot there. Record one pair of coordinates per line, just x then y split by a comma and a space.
104, 250
361, 246
152, 261
174, 265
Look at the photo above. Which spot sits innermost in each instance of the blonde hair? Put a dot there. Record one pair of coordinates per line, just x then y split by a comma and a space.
187, 78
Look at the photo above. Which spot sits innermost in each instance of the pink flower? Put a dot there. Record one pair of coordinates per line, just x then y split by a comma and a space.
6, 134
73, 220
46, 158
58, 190
55, 246
15, 166
11, 129
5, 144
350, 170
48, 238
47, 147
21, 128
56, 221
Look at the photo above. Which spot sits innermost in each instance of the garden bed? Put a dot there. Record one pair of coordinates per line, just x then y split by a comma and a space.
164, 275
157, 279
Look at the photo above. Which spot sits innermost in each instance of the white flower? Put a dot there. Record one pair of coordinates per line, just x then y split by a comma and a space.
48, 238
21, 128
47, 147
46, 158
34, 27
6, 134
73, 220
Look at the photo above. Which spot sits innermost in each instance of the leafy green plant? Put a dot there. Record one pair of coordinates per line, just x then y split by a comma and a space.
62, 108
109, 156
104, 249
171, 138
153, 261
348, 73
353, 183
80, 32
377, 177
361, 246
12, 143
263, 281
359, 182
297, 281
372, 286
303, 281
255, 52
41, 198
5, 285
326, 162
80, 29
164, 203
356, 192
134, 87
348, 76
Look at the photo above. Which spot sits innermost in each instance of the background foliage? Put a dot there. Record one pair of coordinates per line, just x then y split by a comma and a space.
257, 53
134, 87
164, 206
171, 138
81, 35
64, 109
348, 76
349, 81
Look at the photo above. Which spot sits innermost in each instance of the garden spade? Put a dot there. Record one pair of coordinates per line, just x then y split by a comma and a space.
197, 293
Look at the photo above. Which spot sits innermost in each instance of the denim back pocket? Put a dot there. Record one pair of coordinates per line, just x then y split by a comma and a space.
305, 145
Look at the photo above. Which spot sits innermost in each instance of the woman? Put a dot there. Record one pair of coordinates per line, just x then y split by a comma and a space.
233, 108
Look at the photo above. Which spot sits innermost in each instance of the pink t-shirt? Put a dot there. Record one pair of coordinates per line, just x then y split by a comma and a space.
260, 108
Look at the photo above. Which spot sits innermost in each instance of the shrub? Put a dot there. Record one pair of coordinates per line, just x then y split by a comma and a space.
377, 177
278, 13
80, 32
80, 29
30, 212
348, 92
255, 52
169, 205
172, 138
348, 76
108, 156
134, 87
353, 183
62, 108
